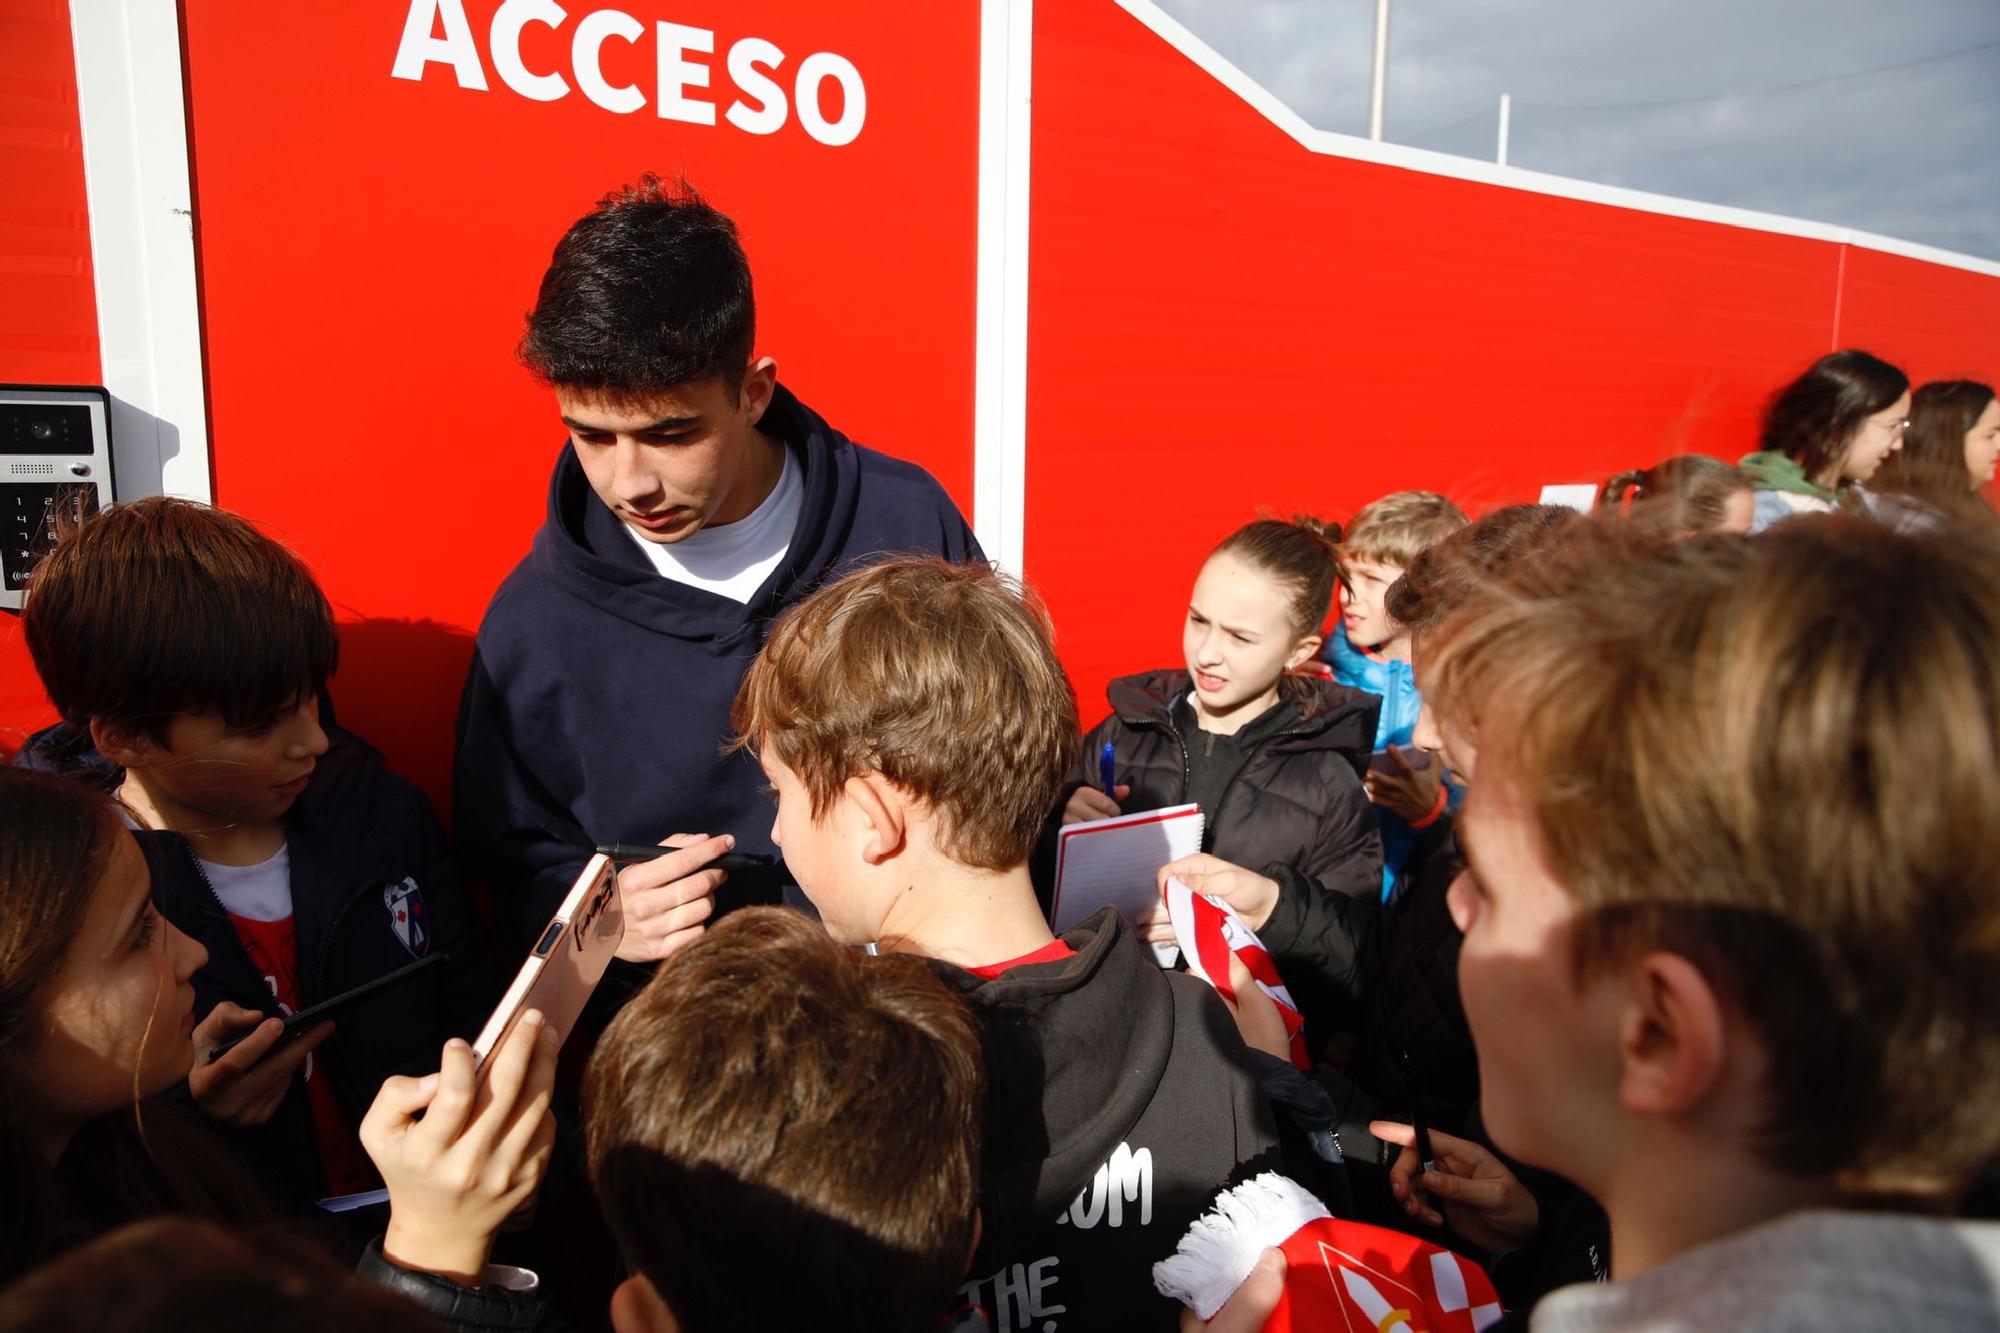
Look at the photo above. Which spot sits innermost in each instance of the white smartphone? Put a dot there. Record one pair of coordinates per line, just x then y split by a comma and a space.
568, 960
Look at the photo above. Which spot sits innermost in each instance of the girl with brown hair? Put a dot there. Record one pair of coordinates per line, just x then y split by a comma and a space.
1948, 453
97, 1020
1825, 434
1683, 495
96, 1017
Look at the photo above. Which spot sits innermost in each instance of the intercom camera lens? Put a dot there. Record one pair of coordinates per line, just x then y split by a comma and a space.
41, 430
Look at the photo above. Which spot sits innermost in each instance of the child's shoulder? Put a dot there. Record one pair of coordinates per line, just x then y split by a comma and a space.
1148, 696
353, 793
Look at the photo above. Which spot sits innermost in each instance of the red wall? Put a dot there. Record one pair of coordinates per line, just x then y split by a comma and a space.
1222, 320
48, 308
368, 246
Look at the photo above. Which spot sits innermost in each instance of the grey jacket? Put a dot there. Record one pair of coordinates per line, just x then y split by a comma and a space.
1814, 1270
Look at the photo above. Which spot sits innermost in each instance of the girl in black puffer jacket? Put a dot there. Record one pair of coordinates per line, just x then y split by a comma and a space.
1274, 759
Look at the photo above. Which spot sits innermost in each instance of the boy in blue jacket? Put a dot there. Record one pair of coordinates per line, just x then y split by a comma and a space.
693, 501
1372, 652
187, 653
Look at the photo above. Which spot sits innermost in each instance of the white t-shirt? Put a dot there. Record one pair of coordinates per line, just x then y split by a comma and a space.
734, 560
262, 892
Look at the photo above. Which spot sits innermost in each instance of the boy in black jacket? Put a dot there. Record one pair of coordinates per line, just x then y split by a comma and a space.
187, 653
693, 500
915, 725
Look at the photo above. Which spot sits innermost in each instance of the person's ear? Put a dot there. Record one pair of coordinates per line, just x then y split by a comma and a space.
1304, 651
124, 745
882, 815
1672, 1038
760, 382
636, 1307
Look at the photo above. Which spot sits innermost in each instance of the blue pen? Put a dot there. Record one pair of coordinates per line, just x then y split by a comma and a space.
1106, 761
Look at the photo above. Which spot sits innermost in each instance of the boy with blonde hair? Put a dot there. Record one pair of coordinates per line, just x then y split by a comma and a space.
1732, 942
1371, 651
915, 726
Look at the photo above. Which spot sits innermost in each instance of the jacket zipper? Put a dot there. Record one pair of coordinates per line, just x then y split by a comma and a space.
319, 980
325, 945
1210, 819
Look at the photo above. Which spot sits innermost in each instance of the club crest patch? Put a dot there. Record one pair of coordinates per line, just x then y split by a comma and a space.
406, 916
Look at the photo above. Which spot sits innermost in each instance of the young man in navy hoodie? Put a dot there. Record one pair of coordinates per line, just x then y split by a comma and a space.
694, 499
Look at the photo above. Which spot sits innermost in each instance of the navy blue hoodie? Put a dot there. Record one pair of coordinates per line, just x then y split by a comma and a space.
598, 701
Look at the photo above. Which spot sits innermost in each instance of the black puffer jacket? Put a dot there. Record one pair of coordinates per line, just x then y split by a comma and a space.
365, 845
1413, 1047
1413, 1004
1297, 798
1294, 810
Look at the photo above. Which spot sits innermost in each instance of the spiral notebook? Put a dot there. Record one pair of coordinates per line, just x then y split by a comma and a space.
1116, 862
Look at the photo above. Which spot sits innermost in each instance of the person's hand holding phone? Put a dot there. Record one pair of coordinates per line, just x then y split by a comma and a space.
667, 900
1252, 896
243, 1087
1474, 1192
474, 1158
1405, 789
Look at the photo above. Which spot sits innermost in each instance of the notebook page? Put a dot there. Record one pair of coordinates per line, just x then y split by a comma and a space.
1116, 862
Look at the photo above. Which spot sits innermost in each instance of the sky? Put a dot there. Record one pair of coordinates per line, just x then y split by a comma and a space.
1865, 113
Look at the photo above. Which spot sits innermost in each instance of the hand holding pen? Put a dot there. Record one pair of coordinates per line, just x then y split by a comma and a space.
638, 853
669, 892
1463, 1187
1101, 801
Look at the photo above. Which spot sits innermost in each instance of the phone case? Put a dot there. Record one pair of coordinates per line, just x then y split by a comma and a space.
568, 962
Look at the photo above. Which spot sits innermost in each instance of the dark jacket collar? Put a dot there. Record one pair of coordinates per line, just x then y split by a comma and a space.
319, 827
581, 549
1326, 717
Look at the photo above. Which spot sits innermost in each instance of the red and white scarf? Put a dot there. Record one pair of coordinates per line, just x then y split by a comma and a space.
1209, 930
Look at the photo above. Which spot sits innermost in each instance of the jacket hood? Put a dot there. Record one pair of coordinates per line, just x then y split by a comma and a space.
1780, 472
1056, 1065
1329, 716
582, 549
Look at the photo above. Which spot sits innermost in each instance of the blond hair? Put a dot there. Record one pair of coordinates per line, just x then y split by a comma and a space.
1776, 758
941, 677
1393, 529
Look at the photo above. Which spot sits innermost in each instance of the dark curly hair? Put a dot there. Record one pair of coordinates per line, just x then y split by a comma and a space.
648, 291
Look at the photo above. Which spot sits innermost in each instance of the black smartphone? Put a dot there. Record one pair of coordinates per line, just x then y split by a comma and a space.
325, 1009
1382, 761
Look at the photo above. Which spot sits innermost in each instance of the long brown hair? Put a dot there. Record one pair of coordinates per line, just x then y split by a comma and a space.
56, 840
1813, 419
1932, 459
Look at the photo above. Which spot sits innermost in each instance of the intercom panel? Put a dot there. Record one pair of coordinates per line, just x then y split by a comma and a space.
55, 469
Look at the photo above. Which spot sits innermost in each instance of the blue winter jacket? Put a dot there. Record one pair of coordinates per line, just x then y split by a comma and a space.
1396, 685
